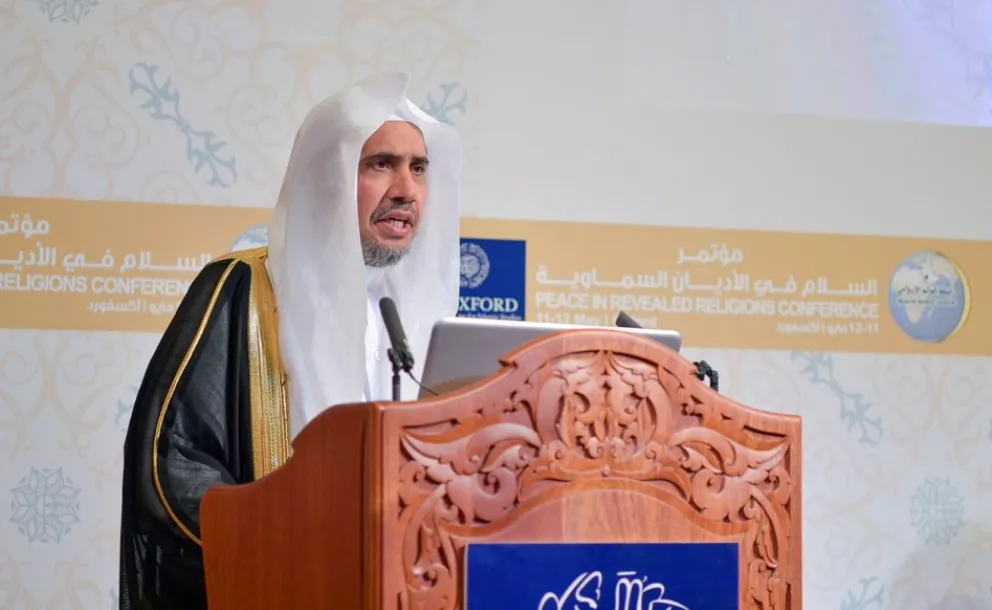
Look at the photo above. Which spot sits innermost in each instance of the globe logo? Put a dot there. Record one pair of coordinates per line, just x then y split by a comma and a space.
475, 265
255, 237
929, 297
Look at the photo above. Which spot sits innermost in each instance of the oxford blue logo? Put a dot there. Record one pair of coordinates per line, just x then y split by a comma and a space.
608, 576
493, 279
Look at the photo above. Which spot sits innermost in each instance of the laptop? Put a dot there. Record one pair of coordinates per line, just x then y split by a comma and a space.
462, 351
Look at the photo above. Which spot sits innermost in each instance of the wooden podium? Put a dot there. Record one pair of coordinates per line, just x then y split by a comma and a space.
586, 435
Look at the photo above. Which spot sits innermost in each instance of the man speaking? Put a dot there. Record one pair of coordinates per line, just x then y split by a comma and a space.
266, 339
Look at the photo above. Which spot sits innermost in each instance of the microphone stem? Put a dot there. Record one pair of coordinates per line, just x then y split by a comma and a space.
397, 363
396, 385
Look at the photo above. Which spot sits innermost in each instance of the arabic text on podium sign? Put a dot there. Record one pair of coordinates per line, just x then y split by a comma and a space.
615, 576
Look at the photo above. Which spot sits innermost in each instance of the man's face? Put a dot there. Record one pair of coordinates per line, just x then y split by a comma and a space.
392, 187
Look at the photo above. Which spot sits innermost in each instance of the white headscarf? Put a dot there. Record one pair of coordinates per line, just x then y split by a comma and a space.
315, 254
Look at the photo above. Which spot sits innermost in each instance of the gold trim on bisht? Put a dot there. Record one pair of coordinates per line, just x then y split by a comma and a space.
267, 375
168, 401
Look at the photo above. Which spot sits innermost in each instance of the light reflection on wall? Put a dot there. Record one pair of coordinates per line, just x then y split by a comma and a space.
923, 61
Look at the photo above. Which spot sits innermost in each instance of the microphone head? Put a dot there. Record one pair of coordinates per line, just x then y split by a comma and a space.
394, 326
387, 307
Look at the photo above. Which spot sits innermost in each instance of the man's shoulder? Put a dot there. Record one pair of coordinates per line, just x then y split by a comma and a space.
250, 256
251, 260
236, 266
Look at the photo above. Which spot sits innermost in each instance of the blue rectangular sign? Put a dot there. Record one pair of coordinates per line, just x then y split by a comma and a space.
614, 576
493, 279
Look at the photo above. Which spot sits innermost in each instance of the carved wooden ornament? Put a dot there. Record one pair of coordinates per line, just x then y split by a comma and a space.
583, 436
591, 436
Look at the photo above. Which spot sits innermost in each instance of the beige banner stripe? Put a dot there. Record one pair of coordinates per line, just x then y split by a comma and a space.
97, 265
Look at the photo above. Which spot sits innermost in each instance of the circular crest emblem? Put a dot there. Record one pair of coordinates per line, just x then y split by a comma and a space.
475, 265
929, 297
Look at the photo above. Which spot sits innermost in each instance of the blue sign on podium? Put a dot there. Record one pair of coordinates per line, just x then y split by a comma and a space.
602, 576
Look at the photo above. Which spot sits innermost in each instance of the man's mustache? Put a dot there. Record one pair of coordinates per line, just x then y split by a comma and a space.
395, 205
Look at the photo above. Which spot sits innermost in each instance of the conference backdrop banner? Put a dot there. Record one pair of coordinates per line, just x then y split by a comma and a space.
120, 266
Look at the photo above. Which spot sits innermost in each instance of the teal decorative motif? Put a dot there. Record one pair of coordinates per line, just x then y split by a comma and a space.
65, 11
854, 408
937, 511
124, 408
869, 593
453, 98
45, 505
203, 148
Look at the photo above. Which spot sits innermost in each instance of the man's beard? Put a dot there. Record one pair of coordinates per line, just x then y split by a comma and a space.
376, 253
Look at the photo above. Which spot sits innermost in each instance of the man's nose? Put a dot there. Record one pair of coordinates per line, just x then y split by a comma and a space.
403, 186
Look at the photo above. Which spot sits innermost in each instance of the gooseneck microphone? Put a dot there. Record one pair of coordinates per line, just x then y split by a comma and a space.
703, 370
400, 349
400, 355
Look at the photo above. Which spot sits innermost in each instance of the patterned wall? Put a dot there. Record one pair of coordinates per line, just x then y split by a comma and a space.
897, 469
193, 102
197, 102
182, 102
